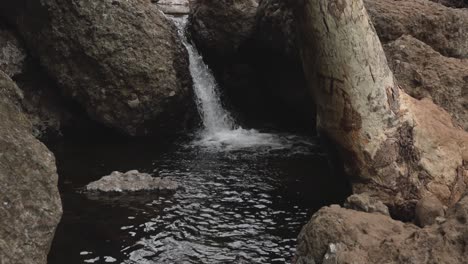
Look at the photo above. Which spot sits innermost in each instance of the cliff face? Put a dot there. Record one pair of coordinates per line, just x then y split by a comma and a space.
121, 60
30, 206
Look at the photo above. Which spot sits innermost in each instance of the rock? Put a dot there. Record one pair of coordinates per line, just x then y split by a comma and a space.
221, 28
364, 203
442, 28
374, 238
49, 112
397, 148
30, 206
453, 3
174, 7
279, 67
428, 209
89, 47
425, 73
12, 53
132, 181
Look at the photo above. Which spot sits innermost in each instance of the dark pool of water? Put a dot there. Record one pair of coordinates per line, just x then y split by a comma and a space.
242, 206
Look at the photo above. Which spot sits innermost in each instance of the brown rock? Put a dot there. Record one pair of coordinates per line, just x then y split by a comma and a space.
442, 28
427, 211
30, 206
358, 237
425, 73
364, 203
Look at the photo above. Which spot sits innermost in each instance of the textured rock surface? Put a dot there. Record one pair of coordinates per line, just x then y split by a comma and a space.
30, 206
12, 53
443, 28
397, 148
220, 28
176, 7
131, 181
121, 60
428, 209
359, 237
453, 3
364, 203
425, 73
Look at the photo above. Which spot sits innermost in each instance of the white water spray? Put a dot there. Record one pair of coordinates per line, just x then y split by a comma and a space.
220, 128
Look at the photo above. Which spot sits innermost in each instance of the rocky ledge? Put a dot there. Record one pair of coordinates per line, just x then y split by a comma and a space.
132, 181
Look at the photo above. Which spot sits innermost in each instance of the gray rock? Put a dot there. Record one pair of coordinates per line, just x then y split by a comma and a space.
30, 206
132, 181
105, 54
174, 7
364, 203
12, 53
428, 209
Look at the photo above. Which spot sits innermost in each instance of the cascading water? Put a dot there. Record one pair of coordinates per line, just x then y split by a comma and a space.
243, 206
220, 128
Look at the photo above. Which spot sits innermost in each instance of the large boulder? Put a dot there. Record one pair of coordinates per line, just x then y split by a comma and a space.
121, 60
221, 28
30, 206
348, 236
425, 73
49, 112
441, 27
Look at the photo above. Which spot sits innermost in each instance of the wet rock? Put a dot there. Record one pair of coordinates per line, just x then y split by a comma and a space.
174, 7
428, 209
374, 238
441, 27
364, 203
30, 206
89, 47
132, 181
425, 73
221, 28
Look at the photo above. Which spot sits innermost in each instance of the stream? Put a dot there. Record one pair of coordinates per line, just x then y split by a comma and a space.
245, 194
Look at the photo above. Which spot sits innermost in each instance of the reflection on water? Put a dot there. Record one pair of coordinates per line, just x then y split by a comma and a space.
237, 206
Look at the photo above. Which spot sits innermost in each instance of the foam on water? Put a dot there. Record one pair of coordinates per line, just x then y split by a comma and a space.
220, 130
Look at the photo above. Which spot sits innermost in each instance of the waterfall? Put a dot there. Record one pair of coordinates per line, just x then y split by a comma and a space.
215, 118
219, 127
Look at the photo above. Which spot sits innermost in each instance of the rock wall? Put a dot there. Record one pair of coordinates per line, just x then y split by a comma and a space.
30, 206
121, 60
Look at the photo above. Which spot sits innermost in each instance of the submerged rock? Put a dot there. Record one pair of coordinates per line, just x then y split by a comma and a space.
132, 181
347, 236
121, 60
30, 206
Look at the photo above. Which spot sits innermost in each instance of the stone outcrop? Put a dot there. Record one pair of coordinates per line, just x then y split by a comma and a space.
12, 53
425, 73
132, 181
394, 147
121, 60
453, 3
221, 28
441, 27
348, 236
30, 206
364, 203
